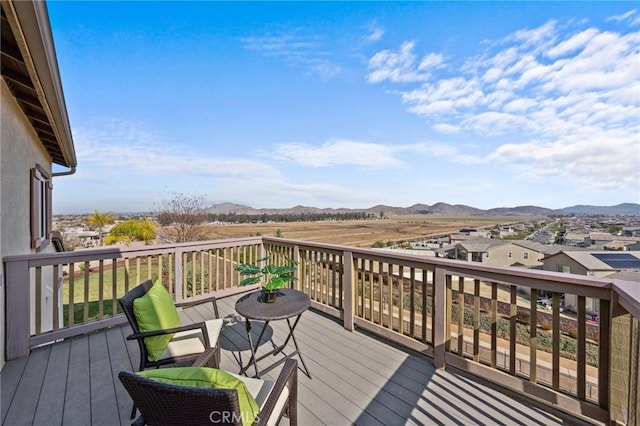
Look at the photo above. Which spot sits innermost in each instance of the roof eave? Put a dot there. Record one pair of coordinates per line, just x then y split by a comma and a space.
36, 44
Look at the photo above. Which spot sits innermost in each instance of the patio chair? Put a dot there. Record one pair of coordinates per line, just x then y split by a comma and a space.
168, 403
177, 343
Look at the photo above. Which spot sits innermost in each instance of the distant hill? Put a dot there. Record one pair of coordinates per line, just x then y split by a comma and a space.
444, 209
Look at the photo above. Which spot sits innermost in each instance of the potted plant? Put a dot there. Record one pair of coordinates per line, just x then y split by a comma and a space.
273, 277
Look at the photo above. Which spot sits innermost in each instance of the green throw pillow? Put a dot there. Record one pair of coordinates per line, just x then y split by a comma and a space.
156, 311
204, 377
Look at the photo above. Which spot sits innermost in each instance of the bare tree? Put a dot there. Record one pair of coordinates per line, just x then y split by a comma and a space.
181, 217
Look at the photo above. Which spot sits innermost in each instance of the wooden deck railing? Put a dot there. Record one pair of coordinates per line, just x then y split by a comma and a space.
481, 319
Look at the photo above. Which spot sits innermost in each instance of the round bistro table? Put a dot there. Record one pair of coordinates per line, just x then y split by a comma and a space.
289, 304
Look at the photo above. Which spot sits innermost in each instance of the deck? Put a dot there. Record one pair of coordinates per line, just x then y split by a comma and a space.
356, 379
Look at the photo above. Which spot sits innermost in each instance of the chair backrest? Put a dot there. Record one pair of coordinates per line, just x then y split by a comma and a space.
126, 302
165, 404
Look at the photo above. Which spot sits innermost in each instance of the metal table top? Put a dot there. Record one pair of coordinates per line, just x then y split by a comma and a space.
289, 303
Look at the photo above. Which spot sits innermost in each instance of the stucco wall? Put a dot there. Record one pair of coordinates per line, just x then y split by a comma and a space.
500, 256
20, 150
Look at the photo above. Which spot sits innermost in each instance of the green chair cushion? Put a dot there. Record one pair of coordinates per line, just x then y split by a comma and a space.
212, 378
156, 311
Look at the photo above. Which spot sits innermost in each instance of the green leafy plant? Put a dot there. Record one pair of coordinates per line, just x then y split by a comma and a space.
273, 277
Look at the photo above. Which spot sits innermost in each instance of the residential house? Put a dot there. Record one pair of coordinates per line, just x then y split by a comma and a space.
35, 135
594, 264
502, 252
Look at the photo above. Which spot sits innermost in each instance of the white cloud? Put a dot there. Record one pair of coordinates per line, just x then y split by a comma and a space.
295, 49
375, 33
446, 128
624, 16
567, 99
401, 66
123, 145
340, 152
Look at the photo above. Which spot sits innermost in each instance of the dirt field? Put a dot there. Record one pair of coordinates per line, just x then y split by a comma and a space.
359, 233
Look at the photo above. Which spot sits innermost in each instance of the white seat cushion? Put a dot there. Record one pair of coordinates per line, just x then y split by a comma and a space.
260, 390
191, 341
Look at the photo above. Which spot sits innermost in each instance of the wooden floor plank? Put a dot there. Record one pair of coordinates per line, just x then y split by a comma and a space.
104, 405
53, 387
11, 375
24, 403
120, 361
77, 404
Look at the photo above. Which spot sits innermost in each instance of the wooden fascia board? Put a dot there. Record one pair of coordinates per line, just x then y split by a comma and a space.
36, 42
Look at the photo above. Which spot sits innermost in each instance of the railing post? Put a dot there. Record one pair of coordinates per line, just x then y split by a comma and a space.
349, 285
623, 379
439, 317
17, 309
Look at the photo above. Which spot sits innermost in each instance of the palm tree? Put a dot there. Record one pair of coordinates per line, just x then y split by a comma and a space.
99, 220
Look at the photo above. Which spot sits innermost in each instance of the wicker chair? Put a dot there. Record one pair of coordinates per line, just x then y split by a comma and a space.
165, 404
189, 343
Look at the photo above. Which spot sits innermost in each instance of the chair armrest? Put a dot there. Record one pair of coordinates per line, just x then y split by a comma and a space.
200, 325
288, 378
203, 359
191, 303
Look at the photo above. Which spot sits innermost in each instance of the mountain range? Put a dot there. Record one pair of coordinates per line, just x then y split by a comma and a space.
624, 209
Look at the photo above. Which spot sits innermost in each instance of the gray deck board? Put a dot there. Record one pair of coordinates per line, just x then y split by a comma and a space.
77, 404
56, 373
356, 379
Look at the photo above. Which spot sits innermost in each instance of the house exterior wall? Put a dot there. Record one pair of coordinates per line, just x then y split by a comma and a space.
499, 255
20, 150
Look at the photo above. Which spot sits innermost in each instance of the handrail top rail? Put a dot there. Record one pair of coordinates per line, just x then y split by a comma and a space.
628, 292
108, 252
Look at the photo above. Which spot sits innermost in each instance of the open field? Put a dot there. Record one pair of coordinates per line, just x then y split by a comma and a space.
359, 233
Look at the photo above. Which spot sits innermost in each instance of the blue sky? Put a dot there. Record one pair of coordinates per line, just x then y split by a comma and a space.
332, 104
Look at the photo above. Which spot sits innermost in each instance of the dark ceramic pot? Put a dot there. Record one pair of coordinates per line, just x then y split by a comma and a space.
269, 296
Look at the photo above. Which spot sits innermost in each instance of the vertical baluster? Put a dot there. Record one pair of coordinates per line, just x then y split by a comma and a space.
114, 287
86, 293
513, 316
138, 270
424, 306
555, 381
581, 359
412, 303
72, 290
380, 293
170, 261
38, 300
604, 352
476, 320
149, 267
390, 283
371, 290
448, 298
461, 316
57, 284
494, 324
401, 299
533, 338
211, 271
335, 297
127, 274
224, 267
202, 270
101, 289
